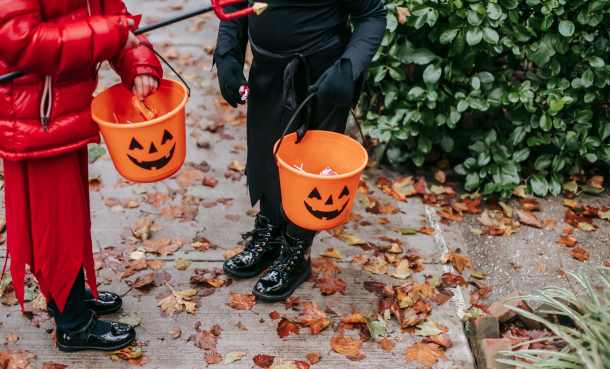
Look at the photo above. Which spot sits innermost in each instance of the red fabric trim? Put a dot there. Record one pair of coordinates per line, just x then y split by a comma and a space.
16, 156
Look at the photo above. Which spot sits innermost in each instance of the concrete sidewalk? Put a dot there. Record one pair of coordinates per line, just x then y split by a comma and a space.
177, 42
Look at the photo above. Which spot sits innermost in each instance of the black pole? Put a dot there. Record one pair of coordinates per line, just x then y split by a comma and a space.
16, 74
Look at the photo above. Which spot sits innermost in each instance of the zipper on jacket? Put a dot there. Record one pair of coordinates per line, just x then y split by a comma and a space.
47, 92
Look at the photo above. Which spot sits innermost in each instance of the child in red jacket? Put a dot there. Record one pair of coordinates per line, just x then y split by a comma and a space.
45, 126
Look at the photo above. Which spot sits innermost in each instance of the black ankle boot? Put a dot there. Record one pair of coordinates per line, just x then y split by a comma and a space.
260, 252
96, 335
292, 268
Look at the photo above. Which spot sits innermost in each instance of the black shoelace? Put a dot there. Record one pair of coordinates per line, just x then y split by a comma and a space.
260, 236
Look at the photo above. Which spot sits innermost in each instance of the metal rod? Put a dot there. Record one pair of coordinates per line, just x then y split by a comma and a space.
169, 21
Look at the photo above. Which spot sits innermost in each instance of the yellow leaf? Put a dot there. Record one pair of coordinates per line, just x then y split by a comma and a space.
332, 253
569, 203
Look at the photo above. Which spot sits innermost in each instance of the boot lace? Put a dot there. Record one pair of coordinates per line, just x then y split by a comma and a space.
288, 255
261, 236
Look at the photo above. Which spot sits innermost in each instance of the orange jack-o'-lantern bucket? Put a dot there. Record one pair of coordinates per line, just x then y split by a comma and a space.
143, 151
311, 200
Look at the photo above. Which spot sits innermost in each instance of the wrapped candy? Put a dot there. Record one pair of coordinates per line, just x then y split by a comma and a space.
145, 111
328, 172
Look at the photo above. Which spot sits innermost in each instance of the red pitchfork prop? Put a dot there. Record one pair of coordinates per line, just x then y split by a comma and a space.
217, 6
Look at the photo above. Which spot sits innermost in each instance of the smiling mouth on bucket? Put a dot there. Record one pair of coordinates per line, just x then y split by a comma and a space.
329, 215
158, 164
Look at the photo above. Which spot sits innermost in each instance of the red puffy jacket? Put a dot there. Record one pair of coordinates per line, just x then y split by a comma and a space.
59, 43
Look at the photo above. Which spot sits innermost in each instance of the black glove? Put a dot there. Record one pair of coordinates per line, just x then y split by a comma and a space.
230, 78
336, 84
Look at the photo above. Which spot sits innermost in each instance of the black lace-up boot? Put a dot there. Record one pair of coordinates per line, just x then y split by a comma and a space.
292, 268
260, 252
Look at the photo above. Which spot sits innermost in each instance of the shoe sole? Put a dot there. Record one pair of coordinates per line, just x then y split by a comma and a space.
106, 349
300, 281
242, 275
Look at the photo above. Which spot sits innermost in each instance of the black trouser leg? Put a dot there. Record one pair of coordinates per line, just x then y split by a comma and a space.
76, 314
295, 231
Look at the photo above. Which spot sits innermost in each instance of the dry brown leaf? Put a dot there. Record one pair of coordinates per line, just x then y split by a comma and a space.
568, 240
325, 265
263, 361
178, 301
313, 357
176, 332
188, 177
286, 326
377, 266
313, 317
212, 357
540, 267
459, 261
330, 285
346, 346
16, 359
242, 302
580, 254
232, 252
528, 218
332, 253
426, 354
386, 345
155, 264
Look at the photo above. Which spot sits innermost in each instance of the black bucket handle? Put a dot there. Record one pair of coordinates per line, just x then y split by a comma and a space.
296, 113
169, 65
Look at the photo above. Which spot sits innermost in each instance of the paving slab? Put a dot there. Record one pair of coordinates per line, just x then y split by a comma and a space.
261, 336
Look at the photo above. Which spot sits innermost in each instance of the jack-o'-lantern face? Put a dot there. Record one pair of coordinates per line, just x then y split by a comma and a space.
328, 210
149, 161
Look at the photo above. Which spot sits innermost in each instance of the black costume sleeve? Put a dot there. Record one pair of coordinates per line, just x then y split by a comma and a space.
369, 19
233, 35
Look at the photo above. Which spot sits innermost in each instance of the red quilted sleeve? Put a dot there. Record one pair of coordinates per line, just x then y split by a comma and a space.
132, 62
33, 46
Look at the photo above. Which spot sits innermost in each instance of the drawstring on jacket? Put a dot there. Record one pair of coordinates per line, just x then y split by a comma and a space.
47, 91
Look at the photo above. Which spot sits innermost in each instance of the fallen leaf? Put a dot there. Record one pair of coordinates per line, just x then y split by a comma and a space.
313, 317
188, 177
232, 252
386, 345
232, 217
16, 359
402, 270
286, 326
330, 285
427, 230
568, 240
529, 218
378, 266
346, 346
540, 267
175, 332
155, 264
263, 361
12, 338
383, 221
133, 319
405, 231
237, 166
242, 302
426, 354
205, 340
234, 356
549, 223
325, 265
580, 254
352, 240
182, 264
313, 357
274, 315
332, 253
212, 357
178, 301
459, 261
50, 365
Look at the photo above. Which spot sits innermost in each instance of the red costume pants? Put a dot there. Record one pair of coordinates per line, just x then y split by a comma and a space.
48, 223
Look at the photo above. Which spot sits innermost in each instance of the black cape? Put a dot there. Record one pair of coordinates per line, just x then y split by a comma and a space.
293, 43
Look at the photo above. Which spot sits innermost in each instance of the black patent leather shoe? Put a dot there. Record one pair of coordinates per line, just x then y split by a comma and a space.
292, 268
118, 336
107, 302
260, 251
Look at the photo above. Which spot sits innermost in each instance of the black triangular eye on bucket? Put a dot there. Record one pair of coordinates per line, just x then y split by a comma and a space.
315, 194
345, 192
166, 136
135, 145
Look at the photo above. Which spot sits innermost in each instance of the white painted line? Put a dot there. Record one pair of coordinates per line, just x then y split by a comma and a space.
457, 298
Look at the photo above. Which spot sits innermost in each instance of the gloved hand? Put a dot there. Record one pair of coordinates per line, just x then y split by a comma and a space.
230, 78
336, 84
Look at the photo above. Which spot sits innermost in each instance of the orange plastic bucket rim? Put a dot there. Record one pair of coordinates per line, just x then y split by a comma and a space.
317, 176
298, 186
151, 122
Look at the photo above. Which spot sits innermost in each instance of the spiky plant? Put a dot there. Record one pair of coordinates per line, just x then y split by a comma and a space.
588, 341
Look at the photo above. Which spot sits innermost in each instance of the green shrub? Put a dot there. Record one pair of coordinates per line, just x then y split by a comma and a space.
518, 86
587, 343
